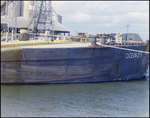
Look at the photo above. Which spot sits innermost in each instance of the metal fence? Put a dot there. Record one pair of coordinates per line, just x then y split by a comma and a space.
44, 37
47, 37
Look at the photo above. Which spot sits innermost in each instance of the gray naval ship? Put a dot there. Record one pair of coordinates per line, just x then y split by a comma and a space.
75, 62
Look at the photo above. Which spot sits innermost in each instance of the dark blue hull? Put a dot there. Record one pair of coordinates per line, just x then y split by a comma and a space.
72, 65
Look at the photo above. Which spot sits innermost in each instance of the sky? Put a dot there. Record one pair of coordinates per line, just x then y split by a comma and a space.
96, 17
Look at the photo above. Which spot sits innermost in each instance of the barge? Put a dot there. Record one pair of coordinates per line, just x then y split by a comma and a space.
73, 63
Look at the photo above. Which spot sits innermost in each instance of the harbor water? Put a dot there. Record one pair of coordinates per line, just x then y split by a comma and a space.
123, 99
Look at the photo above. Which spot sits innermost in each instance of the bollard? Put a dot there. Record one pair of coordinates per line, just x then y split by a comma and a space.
103, 39
93, 41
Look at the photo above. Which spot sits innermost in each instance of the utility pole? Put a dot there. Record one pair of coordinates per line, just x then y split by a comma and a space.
127, 27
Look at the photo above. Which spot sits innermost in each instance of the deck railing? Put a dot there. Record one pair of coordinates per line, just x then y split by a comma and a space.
48, 37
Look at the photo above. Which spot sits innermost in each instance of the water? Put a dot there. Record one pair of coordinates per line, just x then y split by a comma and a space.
113, 99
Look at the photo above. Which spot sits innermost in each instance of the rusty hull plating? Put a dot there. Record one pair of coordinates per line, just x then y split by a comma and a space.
72, 65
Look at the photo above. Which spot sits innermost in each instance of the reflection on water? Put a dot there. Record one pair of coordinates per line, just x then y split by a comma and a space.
97, 99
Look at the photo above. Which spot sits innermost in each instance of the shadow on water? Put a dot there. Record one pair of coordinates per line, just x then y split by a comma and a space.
96, 99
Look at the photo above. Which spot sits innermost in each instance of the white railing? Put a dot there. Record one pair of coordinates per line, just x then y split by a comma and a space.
47, 37
113, 42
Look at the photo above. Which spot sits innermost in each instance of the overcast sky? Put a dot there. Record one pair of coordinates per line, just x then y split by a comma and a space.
104, 16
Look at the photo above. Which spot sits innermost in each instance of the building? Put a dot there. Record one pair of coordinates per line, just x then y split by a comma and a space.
131, 37
26, 16
118, 38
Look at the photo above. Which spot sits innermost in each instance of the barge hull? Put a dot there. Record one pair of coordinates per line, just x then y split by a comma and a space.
72, 65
